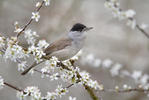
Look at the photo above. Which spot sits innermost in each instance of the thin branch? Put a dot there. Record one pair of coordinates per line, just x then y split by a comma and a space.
142, 30
69, 86
139, 28
30, 21
12, 86
126, 90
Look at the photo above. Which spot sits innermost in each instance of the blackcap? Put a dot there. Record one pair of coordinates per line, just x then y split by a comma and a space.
66, 47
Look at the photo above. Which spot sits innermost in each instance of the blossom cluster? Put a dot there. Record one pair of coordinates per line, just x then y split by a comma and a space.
50, 66
11, 49
35, 93
140, 78
14, 51
128, 15
37, 53
85, 79
59, 92
69, 74
114, 67
30, 36
117, 69
36, 15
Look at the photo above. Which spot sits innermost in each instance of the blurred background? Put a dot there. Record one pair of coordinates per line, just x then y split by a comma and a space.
110, 39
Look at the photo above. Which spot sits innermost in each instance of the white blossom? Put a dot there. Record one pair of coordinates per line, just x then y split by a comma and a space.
21, 66
116, 13
107, 63
84, 76
132, 23
125, 86
37, 52
94, 84
54, 77
30, 36
136, 75
67, 62
60, 91
31, 71
45, 70
90, 58
1, 82
130, 13
20, 95
36, 16
42, 44
72, 98
144, 79
70, 75
47, 2
51, 63
33, 91
50, 66
17, 28
38, 4
97, 63
14, 52
85, 79
115, 69
51, 96
40, 53
108, 4
143, 26
117, 88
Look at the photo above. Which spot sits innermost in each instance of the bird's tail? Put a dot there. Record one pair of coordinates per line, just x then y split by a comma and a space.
32, 66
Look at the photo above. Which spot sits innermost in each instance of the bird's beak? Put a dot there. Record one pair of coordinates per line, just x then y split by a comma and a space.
88, 28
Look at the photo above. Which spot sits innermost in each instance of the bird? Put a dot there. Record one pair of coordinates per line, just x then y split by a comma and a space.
65, 47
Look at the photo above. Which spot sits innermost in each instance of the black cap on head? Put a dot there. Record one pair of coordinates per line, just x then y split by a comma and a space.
78, 27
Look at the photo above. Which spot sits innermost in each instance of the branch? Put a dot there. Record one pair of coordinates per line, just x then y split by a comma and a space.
13, 87
88, 89
142, 30
30, 21
91, 92
127, 90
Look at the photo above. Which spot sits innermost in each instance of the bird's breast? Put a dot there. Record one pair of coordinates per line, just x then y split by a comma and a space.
69, 51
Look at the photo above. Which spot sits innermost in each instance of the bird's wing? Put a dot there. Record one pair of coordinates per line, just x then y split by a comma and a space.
58, 45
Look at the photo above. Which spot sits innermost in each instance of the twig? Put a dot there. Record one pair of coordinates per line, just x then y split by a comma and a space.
30, 21
12, 86
142, 30
126, 90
